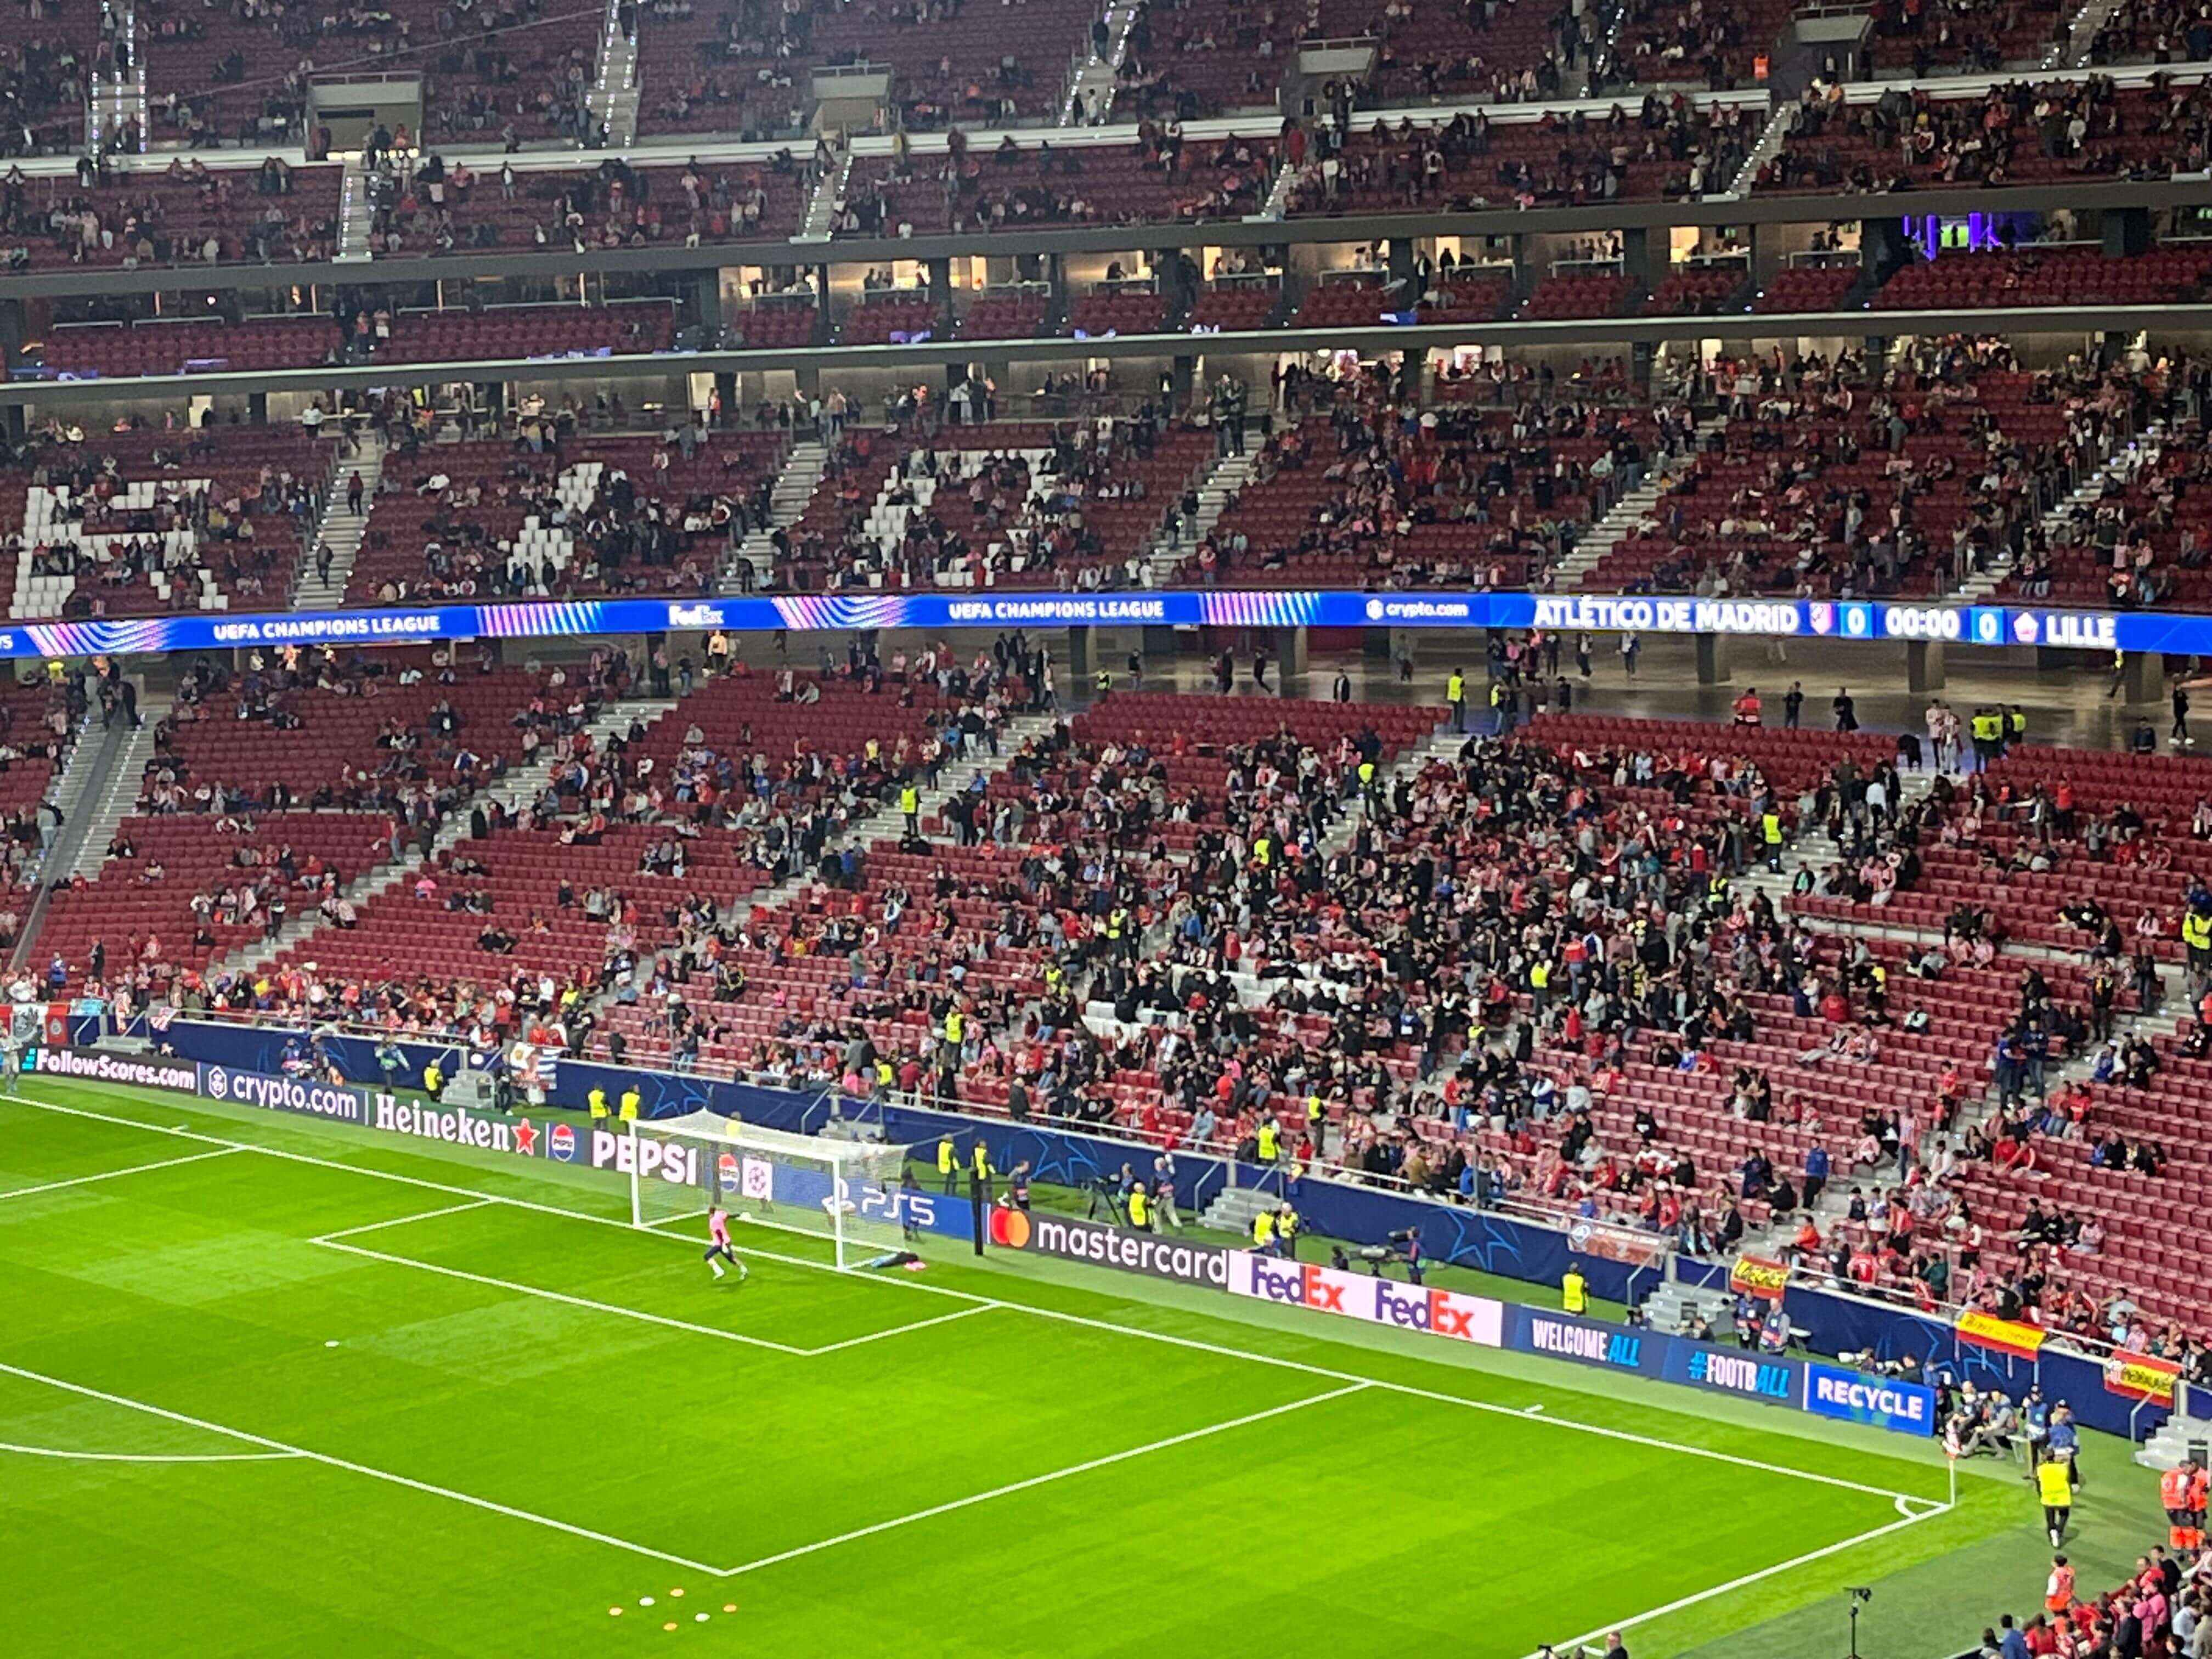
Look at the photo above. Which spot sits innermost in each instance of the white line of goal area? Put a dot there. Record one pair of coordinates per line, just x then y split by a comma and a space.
1912, 1507
615, 1309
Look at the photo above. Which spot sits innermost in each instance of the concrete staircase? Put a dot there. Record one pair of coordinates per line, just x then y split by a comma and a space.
93, 753
2072, 53
1233, 1211
97, 789
114, 793
2058, 523
1230, 474
1441, 744
356, 215
794, 488
613, 98
512, 792
1668, 1308
1278, 205
2174, 1439
73, 791
342, 528
1089, 100
1608, 533
1602, 537
115, 103
1768, 146
829, 196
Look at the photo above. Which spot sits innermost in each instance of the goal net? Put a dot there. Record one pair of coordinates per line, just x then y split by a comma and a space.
846, 1191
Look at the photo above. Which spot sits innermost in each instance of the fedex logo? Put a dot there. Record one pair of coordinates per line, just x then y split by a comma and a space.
1363, 1296
1303, 1286
1466, 1318
1270, 1280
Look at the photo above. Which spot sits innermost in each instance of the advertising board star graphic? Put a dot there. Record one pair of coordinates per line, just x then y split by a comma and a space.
526, 1138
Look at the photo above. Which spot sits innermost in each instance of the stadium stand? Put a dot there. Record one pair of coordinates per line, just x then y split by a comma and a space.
1780, 497
1235, 303
2139, 542
882, 317
1010, 504
1667, 148
2055, 276
2015, 133
1472, 498
612, 515
1204, 57
748, 70
1432, 53
433, 206
1806, 287
1018, 312
1957, 37
1160, 179
186, 215
134, 524
164, 346
487, 73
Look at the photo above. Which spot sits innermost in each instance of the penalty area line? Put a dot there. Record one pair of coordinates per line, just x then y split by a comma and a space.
562, 1297
148, 1457
1045, 1479
352, 1467
900, 1330
400, 1220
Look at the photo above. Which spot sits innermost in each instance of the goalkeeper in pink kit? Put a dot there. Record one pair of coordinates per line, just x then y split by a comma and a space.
718, 1233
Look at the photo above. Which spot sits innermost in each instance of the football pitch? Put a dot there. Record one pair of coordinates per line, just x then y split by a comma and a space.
268, 1386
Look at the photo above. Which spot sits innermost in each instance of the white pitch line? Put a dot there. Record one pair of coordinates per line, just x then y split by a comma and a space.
110, 1174
149, 1457
900, 1330
914, 1284
643, 1317
352, 1467
1084, 1467
1573, 1643
400, 1221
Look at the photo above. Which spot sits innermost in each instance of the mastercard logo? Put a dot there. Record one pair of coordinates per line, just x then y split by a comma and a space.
1010, 1228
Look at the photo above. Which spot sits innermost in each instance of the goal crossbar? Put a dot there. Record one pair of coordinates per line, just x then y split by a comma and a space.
846, 1191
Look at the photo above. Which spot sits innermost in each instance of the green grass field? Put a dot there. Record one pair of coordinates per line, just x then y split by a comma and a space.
269, 1386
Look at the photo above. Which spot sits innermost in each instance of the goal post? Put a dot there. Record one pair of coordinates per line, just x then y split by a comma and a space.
845, 1191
